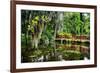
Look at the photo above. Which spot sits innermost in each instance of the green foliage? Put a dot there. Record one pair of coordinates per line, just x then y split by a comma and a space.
74, 25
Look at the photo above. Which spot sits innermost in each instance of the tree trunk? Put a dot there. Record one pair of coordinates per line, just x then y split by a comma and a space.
36, 37
59, 22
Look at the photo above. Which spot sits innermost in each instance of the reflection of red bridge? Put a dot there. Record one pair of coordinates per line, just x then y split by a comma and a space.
82, 49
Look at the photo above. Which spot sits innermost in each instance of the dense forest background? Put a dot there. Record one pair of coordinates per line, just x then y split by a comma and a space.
54, 36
